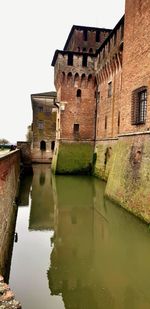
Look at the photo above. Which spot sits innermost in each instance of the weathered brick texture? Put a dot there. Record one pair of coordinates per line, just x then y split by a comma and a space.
136, 55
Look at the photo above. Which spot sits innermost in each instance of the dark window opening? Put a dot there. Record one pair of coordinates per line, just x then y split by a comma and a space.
52, 145
79, 93
84, 50
105, 122
97, 36
139, 106
43, 145
70, 59
109, 89
84, 61
76, 128
78, 49
91, 50
85, 35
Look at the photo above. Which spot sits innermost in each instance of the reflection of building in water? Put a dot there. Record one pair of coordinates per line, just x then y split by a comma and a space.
42, 204
71, 268
24, 190
94, 260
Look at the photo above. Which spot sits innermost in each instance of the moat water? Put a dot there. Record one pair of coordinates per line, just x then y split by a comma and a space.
73, 249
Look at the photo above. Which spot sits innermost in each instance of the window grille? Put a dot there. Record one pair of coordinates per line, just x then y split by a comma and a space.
139, 106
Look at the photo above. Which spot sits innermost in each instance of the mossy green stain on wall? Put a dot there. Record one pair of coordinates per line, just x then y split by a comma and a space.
104, 159
74, 158
129, 180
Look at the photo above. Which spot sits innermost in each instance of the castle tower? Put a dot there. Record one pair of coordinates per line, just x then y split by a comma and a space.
76, 88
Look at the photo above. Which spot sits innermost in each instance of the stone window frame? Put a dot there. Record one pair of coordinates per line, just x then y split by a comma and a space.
139, 106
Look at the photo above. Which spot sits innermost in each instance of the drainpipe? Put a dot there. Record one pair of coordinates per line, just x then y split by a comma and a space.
95, 129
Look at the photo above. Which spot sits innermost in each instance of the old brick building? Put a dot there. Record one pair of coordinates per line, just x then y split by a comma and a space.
43, 126
102, 79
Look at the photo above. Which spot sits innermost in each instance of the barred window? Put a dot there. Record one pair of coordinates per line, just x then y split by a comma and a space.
139, 106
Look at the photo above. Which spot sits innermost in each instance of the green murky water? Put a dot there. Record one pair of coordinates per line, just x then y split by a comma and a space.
76, 250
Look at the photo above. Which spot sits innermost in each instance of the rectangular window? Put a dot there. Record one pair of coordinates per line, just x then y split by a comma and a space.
139, 106
40, 124
84, 61
85, 35
97, 36
109, 89
70, 59
76, 128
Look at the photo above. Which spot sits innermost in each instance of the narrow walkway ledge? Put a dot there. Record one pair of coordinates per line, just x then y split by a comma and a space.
7, 297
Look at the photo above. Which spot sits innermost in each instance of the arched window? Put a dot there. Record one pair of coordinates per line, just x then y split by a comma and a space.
78, 49
79, 93
43, 145
84, 50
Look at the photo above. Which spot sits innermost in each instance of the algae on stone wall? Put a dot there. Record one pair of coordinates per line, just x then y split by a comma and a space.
104, 159
75, 158
129, 179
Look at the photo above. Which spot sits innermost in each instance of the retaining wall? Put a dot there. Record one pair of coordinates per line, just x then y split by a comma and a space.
73, 158
9, 181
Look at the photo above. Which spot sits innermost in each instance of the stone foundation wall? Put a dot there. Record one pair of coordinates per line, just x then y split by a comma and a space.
74, 158
129, 178
103, 157
9, 181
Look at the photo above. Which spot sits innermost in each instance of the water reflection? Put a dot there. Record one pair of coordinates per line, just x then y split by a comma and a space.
24, 190
80, 250
42, 205
101, 253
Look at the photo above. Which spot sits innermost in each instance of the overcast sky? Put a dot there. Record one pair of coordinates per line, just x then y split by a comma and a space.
30, 32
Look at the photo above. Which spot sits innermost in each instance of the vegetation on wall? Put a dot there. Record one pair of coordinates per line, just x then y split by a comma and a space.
75, 158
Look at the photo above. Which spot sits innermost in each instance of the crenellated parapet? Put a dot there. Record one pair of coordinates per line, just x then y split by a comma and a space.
109, 55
